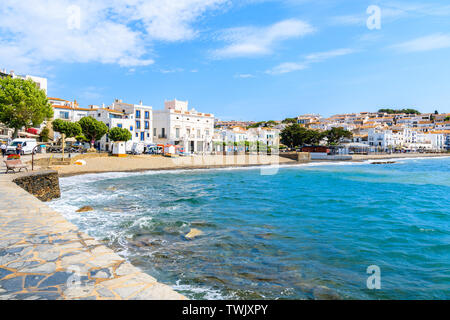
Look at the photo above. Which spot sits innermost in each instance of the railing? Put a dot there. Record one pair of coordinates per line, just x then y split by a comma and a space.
162, 136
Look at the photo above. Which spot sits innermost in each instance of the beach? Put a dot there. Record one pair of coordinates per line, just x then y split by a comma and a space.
101, 163
145, 163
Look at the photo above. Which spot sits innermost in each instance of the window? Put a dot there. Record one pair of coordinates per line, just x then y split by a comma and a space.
142, 136
148, 135
119, 125
137, 134
147, 115
163, 132
138, 114
131, 128
177, 133
154, 132
64, 115
138, 125
147, 125
198, 134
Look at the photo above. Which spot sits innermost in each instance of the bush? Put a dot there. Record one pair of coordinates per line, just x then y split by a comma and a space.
119, 134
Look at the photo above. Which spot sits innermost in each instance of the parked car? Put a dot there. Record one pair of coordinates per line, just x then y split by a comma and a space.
27, 146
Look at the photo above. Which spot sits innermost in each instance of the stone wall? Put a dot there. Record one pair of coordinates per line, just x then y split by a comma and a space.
44, 185
297, 156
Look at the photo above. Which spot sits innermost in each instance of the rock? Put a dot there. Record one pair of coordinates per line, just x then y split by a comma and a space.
85, 209
44, 185
386, 162
111, 189
193, 234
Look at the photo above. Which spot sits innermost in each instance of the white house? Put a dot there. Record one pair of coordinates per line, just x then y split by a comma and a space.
67, 110
178, 125
386, 139
136, 118
40, 82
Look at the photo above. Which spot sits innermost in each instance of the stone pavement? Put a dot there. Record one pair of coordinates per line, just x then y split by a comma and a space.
43, 256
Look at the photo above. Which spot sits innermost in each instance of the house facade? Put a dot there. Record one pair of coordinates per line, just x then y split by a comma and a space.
177, 125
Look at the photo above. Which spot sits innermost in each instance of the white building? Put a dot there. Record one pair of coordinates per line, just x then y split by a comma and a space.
385, 139
67, 110
40, 82
178, 125
137, 118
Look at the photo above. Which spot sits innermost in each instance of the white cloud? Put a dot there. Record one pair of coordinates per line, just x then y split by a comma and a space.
115, 31
288, 67
321, 56
257, 41
244, 76
427, 43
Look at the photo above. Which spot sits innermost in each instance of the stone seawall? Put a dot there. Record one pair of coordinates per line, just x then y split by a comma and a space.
297, 156
44, 185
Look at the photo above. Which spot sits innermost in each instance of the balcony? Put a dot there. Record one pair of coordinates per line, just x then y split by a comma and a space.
162, 136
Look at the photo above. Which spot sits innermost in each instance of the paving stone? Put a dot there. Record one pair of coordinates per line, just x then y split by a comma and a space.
158, 292
22, 264
43, 268
56, 279
105, 293
12, 285
33, 280
4, 273
101, 274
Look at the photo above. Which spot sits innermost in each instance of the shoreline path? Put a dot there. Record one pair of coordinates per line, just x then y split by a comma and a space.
43, 256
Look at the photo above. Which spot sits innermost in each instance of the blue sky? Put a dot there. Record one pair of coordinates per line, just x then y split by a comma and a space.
242, 60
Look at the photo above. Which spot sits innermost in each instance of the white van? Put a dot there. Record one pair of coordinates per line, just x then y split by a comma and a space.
27, 145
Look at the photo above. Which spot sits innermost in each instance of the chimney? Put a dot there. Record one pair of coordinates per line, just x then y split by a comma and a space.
140, 102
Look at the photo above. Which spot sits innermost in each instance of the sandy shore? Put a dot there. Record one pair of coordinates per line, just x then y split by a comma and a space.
144, 163
104, 163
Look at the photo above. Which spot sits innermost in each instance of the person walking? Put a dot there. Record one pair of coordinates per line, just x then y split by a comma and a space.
3, 147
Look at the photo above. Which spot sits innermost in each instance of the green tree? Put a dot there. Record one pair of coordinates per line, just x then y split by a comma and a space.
394, 111
314, 137
23, 104
447, 119
336, 135
289, 120
44, 135
295, 136
69, 129
92, 129
119, 134
81, 138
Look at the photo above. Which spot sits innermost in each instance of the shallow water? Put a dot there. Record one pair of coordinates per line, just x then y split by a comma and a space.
308, 232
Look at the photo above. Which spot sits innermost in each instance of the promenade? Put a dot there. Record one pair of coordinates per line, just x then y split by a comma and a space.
43, 256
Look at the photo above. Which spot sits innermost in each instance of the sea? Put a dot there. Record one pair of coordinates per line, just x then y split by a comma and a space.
310, 231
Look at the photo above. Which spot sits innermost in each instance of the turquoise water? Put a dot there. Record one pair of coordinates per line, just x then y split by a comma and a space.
308, 232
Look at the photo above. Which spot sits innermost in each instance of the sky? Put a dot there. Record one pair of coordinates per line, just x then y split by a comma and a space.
240, 60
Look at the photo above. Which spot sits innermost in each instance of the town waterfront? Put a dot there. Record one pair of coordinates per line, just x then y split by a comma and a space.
309, 231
